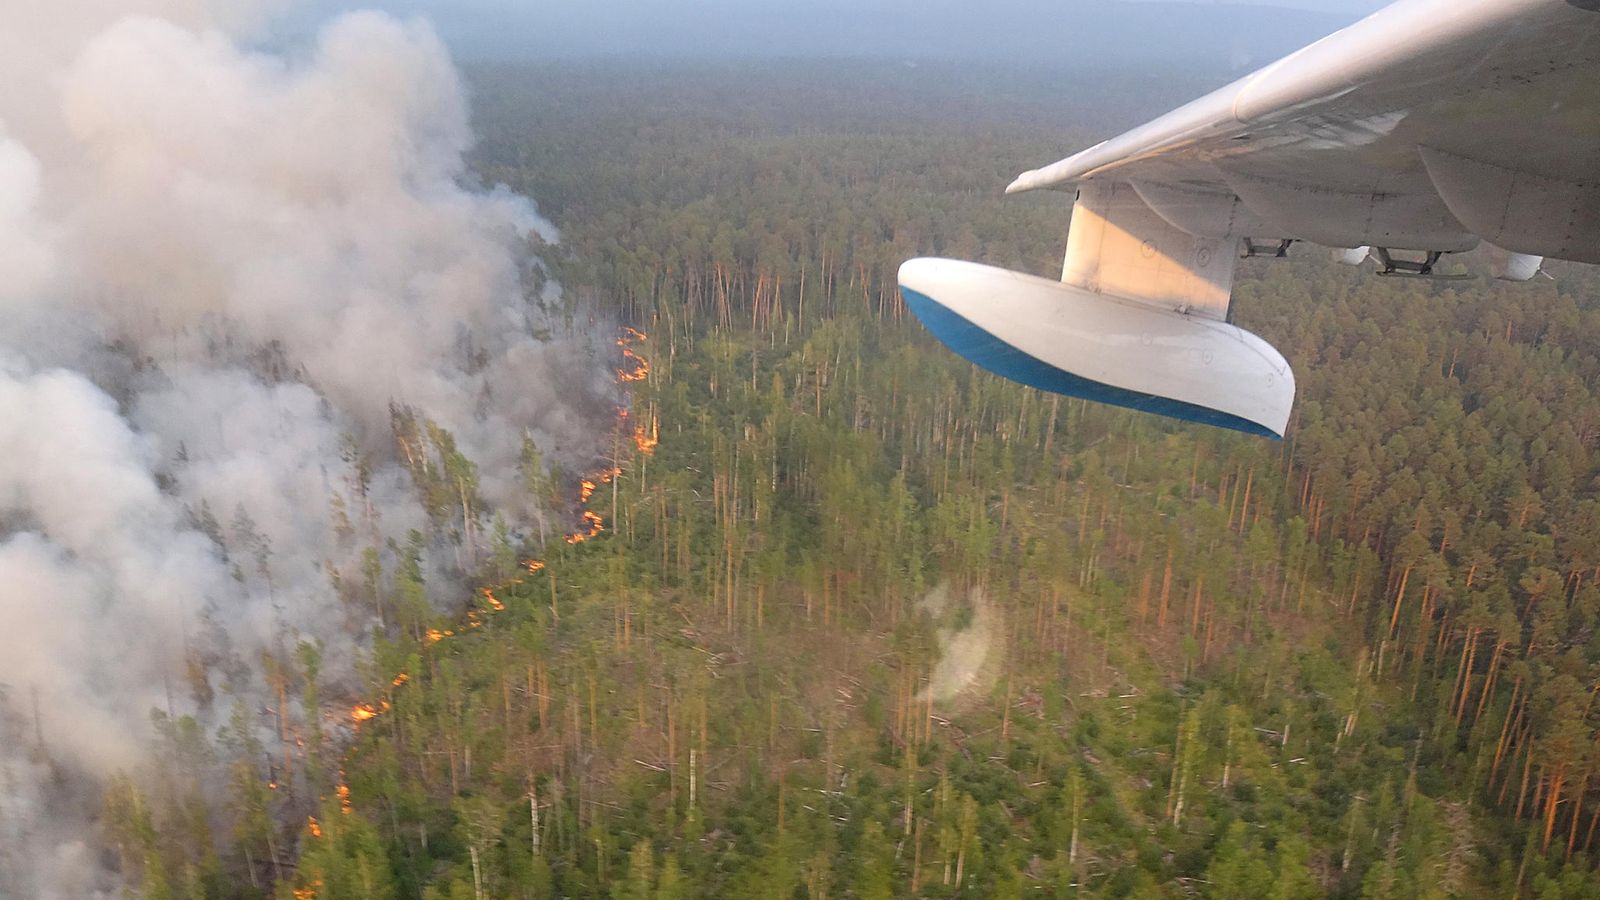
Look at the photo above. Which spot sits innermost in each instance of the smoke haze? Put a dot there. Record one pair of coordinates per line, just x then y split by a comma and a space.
1070, 33
224, 276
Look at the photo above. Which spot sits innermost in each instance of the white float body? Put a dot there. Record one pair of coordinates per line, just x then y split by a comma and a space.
1066, 339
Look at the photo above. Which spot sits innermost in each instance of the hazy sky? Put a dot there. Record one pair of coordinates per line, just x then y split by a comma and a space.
1060, 31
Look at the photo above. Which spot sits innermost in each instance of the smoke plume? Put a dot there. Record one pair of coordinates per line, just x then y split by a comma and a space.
245, 298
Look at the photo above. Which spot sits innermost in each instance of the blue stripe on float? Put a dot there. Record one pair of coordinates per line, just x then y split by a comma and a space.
1007, 361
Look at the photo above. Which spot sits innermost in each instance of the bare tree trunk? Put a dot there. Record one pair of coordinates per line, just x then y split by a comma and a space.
533, 817
1399, 596
1552, 804
1522, 792
477, 874
1577, 813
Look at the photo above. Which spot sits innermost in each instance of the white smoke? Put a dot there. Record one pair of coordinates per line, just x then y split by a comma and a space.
221, 272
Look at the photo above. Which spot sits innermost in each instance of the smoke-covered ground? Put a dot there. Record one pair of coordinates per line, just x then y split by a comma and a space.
254, 326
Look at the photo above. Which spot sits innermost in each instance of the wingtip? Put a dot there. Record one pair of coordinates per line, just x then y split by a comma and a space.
1024, 182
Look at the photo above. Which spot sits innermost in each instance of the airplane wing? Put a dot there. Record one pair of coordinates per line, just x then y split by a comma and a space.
1422, 130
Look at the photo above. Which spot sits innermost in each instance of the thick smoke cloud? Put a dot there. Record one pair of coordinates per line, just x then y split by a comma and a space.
222, 272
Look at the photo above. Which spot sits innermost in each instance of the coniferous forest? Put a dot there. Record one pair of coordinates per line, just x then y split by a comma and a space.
842, 616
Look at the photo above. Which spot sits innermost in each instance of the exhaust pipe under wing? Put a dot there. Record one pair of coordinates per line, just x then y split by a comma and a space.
1064, 339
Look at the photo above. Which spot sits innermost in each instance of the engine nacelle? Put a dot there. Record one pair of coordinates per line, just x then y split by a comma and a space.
1069, 340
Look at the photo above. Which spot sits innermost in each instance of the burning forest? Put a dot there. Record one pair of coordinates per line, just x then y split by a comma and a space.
274, 378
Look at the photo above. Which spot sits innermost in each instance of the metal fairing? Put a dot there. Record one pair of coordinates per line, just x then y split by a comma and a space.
1355, 219
1520, 211
1119, 246
1203, 212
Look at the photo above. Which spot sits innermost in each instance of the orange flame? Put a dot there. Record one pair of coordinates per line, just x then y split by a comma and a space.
313, 827
640, 370
593, 525
308, 893
647, 442
343, 791
640, 366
